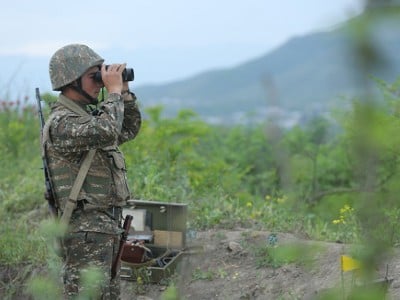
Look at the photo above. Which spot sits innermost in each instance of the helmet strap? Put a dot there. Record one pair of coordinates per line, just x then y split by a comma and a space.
78, 88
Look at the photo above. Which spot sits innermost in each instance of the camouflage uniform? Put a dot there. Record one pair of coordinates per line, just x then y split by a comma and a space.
95, 227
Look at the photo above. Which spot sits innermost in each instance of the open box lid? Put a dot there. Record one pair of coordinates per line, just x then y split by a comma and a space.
164, 222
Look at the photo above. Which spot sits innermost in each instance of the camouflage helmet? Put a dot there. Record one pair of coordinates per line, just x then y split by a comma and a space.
71, 62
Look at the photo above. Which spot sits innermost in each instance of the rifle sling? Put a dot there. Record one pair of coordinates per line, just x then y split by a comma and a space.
72, 106
80, 178
84, 168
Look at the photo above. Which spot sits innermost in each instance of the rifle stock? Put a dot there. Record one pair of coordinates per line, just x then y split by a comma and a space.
116, 265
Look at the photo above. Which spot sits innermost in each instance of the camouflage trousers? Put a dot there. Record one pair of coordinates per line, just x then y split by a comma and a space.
87, 266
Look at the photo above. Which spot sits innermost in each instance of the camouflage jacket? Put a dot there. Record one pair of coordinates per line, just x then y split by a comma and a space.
68, 136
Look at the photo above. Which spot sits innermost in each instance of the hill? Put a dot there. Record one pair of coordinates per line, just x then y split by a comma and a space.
307, 74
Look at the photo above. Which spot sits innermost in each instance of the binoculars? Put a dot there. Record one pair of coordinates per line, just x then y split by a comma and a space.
127, 75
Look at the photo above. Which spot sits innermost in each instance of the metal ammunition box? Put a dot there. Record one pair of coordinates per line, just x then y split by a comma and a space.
162, 228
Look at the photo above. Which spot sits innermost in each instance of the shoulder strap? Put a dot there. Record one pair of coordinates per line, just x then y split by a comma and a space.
84, 168
72, 105
73, 196
45, 137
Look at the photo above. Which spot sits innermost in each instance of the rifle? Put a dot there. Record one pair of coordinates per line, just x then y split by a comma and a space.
48, 194
124, 237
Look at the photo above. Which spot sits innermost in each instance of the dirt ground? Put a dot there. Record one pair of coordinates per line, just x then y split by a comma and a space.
222, 264
226, 264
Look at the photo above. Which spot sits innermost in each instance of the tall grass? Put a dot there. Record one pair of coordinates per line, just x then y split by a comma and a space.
227, 175
304, 181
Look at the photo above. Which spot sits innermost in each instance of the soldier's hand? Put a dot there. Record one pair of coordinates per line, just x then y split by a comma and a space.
112, 77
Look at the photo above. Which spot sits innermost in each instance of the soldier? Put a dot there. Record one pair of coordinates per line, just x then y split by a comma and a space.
71, 132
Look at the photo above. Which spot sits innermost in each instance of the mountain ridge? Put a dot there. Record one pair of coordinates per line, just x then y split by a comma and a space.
309, 72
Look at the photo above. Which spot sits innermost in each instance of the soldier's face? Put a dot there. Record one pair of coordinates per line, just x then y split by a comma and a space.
89, 85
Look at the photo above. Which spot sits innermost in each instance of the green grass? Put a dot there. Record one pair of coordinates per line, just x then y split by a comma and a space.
297, 181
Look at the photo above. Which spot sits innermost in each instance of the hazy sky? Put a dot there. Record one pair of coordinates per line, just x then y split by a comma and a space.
163, 40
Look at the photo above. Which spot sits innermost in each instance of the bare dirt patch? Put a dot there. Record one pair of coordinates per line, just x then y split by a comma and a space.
224, 264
